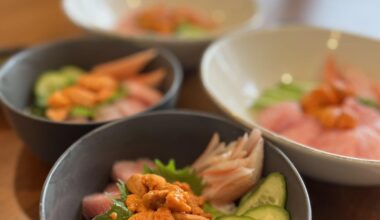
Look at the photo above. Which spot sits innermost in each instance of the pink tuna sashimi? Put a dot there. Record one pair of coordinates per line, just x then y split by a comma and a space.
112, 189
126, 168
304, 130
95, 204
279, 117
130, 106
371, 149
343, 142
147, 95
366, 115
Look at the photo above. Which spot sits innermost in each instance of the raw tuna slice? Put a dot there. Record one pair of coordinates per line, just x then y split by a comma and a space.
304, 130
366, 115
371, 149
112, 189
279, 117
343, 142
95, 204
124, 169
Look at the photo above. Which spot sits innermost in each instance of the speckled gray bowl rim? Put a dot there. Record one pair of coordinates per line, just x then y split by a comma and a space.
165, 112
172, 60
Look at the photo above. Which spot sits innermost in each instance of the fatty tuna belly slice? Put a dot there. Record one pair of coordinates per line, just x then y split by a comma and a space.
280, 116
304, 130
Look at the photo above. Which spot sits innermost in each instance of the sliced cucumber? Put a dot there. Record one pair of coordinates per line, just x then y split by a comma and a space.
272, 191
188, 30
234, 217
80, 111
51, 81
72, 73
268, 212
46, 85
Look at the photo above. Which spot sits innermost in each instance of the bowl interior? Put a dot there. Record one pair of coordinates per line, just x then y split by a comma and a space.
18, 76
105, 14
250, 62
85, 167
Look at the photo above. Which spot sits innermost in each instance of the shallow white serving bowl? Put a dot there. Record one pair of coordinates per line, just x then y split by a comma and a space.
101, 17
235, 70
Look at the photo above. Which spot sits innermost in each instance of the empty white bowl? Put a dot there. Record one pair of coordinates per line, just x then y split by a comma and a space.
101, 17
235, 70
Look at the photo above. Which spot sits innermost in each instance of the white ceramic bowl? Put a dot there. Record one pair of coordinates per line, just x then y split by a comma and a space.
235, 70
101, 17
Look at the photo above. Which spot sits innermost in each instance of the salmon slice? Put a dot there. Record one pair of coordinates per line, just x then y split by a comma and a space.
126, 67
95, 204
152, 79
280, 116
147, 95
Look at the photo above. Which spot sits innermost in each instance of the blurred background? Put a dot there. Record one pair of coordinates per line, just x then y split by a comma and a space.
25, 22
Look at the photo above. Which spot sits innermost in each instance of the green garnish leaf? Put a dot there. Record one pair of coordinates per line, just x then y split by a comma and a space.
207, 207
119, 208
37, 111
124, 192
172, 174
368, 102
119, 93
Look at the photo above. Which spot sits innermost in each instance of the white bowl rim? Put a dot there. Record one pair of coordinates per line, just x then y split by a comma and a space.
252, 22
267, 133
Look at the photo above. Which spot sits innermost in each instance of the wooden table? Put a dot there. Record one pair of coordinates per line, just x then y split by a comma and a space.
24, 22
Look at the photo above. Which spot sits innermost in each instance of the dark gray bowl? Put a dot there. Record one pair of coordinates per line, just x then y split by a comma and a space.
86, 166
49, 139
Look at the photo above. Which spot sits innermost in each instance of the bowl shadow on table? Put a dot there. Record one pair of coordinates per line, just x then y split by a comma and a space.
29, 179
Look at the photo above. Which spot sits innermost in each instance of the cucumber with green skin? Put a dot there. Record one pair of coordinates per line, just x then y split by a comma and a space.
268, 212
234, 217
272, 191
51, 81
280, 93
47, 84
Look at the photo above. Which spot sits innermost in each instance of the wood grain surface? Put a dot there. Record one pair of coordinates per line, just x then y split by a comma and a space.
27, 22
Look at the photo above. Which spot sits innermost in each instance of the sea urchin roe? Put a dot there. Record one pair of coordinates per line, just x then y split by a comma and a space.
154, 198
113, 215
324, 103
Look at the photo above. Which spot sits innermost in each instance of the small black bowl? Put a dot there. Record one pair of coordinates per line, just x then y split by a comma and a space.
49, 139
85, 167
